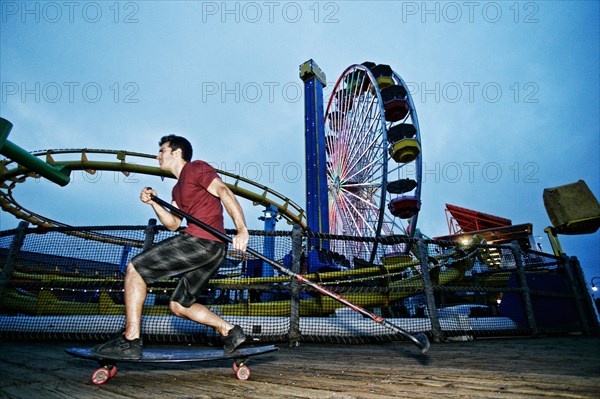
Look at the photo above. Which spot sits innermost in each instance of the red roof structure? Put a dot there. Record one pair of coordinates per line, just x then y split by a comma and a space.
464, 223
462, 220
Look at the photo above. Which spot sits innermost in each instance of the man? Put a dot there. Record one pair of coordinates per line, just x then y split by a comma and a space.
193, 253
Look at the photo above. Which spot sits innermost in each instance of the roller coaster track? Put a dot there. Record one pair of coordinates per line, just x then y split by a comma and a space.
127, 162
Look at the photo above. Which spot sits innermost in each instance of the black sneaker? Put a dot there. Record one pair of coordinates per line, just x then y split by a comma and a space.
233, 339
120, 348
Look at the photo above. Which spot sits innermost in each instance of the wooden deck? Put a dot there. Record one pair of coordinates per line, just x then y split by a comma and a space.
549, 367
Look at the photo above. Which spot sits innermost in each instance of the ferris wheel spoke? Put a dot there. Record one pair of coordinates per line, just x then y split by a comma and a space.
334, 214
353, 212
368, 136
357, 172
366, 162
340, 216
348, 99
397, 167
360, 128
354, 78
357, 115
369, 151
351, 216
369, 205
363, 185
354, 141
353, 169
362, 114
347, 214
368, 171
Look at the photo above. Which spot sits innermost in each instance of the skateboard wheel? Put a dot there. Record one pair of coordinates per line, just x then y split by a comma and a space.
242, 373
112, 371
239, 362
100, 376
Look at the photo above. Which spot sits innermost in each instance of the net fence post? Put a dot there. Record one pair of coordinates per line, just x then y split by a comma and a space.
524, 287
583, 300
149, 232
11, 257
429, 296
295, 287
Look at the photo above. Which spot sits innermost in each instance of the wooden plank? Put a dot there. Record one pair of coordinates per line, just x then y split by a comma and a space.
557, 367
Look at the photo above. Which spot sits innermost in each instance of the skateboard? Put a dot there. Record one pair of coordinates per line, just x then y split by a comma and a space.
108, 367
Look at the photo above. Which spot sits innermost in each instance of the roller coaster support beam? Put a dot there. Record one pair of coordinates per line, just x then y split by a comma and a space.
554, 242
57, 174
317, 209
11, 258
271, 216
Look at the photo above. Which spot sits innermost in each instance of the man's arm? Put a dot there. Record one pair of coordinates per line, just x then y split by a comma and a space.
233, 208
169, 220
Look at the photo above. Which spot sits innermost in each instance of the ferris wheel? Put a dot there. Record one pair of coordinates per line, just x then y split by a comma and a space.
374, 167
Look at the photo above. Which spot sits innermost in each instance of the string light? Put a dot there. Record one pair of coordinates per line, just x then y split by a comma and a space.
83, 290
97, 290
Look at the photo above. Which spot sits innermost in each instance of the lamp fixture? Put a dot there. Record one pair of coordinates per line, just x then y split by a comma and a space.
594, 287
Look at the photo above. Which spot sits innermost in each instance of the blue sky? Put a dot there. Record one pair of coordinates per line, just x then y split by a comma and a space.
507, 95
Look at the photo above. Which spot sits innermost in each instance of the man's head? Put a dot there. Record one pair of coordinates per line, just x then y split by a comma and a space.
178, 143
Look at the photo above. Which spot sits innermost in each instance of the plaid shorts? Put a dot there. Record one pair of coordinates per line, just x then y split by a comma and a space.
196, 259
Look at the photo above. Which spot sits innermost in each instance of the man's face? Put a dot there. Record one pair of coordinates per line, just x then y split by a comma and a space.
166, 156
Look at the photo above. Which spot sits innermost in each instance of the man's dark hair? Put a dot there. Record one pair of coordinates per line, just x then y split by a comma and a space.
178, 143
